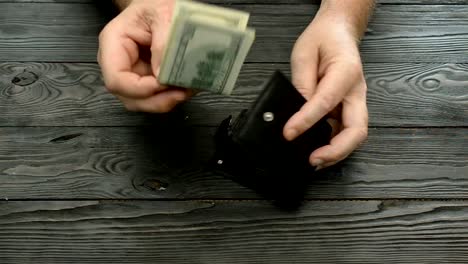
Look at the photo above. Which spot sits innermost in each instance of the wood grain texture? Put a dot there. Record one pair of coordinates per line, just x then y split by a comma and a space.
49, 31
73, 94
398, 33
399, 2
169, 161
66, 182
422, 2
58, 94
403, 94
233, 232
422, 93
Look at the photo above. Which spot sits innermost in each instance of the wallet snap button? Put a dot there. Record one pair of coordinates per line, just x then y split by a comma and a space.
268, 116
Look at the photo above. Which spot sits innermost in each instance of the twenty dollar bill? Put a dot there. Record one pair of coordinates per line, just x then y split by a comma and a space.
206, 48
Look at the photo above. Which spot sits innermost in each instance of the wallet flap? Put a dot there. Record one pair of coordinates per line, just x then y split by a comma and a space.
253, 151
260, 129
276, 103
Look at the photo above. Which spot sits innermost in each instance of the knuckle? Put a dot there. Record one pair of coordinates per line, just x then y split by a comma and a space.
364, 86
353, 67
335, 157
326, 102
164, 108
130, 107
154, 108
100, 37
362, 134
99, 58
168, 105
356, 67
299, 59
111, 85
107, 31
156, 48
103, 33
305, 123
366, 119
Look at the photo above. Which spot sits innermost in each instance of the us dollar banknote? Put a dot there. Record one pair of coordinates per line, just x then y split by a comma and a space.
206, 48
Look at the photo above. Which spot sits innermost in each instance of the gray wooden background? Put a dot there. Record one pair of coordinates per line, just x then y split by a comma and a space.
84, 181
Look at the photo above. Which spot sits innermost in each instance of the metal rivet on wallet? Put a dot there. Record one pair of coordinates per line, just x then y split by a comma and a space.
268, 116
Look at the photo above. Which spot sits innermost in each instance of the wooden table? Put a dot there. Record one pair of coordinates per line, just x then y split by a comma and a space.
84, 181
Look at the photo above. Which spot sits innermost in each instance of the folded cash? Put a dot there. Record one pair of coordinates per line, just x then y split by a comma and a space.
206, 48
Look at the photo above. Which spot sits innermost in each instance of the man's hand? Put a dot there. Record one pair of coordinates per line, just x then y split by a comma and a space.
327, 70
130, 52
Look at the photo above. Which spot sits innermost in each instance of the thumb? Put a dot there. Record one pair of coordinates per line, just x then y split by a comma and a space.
160, 30
159, 40
304, 71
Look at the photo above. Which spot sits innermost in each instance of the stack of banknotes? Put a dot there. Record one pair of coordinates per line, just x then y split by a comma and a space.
206, 48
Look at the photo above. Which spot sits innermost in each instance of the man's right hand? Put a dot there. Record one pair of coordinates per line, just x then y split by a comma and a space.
131, 47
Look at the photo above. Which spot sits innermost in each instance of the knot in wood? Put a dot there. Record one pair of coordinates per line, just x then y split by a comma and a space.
25, 78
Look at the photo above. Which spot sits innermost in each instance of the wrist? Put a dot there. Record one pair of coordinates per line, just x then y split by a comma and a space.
149, 4
351, 15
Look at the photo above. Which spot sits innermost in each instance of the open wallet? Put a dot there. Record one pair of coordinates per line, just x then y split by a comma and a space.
252, 150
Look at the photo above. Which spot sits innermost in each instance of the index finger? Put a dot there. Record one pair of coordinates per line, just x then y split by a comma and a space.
355, 122
331, 90
117, 54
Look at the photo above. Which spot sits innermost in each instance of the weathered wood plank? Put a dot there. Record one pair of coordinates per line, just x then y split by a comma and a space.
69, 94
49, 31
422, 93
168, 162
410, 33
233, 232
404, 94
403, 2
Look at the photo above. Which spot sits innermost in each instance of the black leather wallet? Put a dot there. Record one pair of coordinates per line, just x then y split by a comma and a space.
253, 151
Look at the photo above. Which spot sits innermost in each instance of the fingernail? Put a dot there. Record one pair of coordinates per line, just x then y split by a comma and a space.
318, 168
317, 162
157, 71
291, 133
